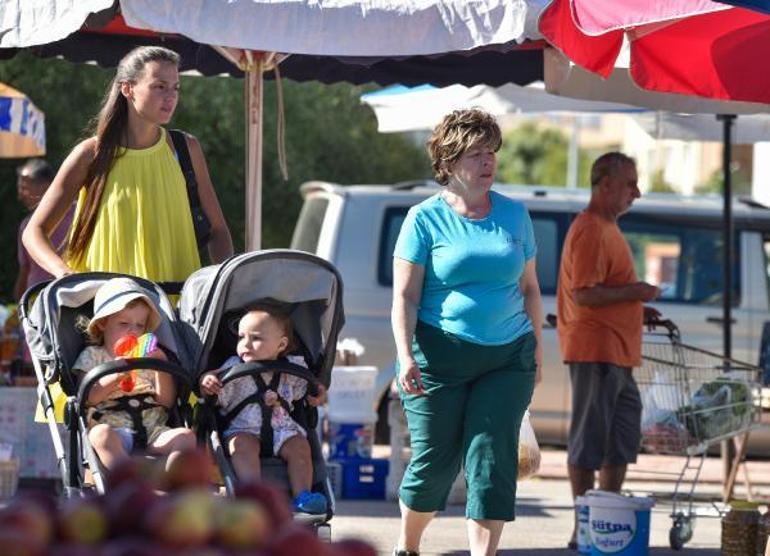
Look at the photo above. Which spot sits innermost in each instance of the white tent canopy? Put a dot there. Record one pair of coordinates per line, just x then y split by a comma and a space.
338, 27
410, 109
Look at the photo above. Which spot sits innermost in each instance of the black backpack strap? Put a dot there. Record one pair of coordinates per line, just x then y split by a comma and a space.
185, 162
201, 224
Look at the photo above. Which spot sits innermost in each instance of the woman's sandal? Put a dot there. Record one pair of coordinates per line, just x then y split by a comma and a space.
397, 552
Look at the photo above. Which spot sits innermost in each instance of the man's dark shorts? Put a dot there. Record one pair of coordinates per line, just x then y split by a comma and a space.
606, 416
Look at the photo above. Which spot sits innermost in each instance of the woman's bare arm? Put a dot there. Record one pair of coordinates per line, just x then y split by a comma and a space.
533, 305
220, 244
407, 290
54, 205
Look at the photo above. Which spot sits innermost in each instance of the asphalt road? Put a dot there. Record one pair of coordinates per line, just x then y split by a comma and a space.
542, 527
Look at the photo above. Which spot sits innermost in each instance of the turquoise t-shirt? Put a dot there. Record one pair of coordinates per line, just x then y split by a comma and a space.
472, 267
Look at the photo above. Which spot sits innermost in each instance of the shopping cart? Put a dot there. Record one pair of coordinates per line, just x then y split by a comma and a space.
692, 399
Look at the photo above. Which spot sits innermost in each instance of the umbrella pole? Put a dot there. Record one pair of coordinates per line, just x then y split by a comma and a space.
254, 122
728, 233
728, 448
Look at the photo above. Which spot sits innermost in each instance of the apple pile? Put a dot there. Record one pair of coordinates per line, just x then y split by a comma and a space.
150, 512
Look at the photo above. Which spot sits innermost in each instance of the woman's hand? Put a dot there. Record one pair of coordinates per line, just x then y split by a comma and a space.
410, 378
210, 384
319, 399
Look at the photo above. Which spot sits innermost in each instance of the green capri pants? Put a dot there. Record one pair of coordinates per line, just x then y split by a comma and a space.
475, 398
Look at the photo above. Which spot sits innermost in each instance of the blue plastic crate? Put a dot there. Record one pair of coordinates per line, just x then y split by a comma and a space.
364, 478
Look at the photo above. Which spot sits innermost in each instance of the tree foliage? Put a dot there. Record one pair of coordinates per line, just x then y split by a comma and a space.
533, 155
330, 136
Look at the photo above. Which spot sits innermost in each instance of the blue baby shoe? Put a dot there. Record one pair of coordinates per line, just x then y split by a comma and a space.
310, 503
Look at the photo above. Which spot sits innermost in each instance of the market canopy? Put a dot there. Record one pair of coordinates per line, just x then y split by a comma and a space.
355, 41
401, 108
22, 125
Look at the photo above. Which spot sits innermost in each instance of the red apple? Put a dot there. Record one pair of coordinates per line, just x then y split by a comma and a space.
276, 503
135, 469
19, 543
182, 520
28, 517
83, 521
127, 505
294, 540
188, 469
352, 547
241, 524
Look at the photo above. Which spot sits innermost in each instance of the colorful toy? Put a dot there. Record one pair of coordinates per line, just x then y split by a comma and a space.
131, 347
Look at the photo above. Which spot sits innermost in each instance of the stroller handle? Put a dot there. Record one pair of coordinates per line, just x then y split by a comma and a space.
28, 296
256, 367
122, 366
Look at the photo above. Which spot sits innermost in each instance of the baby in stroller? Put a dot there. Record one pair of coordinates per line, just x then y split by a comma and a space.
265, 334
123, 418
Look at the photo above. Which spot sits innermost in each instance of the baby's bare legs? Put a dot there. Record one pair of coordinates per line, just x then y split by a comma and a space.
171, 443
296, 453
244, 453
107, 444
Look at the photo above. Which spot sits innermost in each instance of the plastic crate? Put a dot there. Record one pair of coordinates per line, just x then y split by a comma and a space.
334, 471
364, 478
9, 477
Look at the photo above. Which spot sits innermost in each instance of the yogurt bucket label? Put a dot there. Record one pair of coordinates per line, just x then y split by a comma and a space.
612, 529
619, 524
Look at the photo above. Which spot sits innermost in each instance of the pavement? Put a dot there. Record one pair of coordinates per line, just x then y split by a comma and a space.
545, 514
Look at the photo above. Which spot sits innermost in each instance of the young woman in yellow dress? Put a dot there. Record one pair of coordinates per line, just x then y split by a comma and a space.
133, 214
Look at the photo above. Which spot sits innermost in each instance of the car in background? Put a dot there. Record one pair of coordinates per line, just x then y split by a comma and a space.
676, 242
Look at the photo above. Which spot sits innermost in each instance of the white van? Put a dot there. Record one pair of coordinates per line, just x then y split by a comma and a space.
676, 242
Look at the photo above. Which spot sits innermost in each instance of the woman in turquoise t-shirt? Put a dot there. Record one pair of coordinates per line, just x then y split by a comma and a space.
467, 320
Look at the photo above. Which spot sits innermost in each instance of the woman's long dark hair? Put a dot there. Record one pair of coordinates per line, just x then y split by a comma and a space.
109, 126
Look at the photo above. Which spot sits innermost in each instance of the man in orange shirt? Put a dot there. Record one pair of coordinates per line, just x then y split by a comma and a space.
600, 317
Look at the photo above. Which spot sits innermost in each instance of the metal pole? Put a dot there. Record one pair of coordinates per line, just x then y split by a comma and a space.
728, 233
728, 449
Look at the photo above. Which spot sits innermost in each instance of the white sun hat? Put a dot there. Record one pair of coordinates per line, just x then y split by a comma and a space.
114, 295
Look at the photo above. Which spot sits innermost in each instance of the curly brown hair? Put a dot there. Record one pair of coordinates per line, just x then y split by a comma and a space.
457, 133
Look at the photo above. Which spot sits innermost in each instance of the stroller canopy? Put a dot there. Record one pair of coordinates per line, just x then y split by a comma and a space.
309, 286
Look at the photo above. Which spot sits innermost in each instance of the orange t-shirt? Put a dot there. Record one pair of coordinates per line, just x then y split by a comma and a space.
595, 252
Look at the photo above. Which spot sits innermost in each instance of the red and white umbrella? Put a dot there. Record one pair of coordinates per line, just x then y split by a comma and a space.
688, 47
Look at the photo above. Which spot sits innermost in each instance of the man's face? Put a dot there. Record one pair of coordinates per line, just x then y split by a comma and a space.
29, 191
620, 189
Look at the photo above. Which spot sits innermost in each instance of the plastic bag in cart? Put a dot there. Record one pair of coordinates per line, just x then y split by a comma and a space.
529, 450
718, 408
662, 430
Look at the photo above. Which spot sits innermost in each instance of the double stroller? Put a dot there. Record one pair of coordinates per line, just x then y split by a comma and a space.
50, 313
199, 338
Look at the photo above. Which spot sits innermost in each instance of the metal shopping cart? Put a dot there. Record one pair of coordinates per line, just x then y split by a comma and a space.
691, 399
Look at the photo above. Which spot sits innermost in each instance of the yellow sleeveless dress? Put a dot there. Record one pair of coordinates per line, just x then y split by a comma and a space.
143, 226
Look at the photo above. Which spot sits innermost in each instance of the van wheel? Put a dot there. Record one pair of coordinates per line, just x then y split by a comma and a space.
382, 428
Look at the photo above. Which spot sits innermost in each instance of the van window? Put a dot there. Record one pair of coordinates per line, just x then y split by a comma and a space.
547, 236
308, 229
685, 260
391, 226
766, 245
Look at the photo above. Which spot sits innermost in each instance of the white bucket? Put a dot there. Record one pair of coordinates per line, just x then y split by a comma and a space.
351, 395
583, 536
619, 524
